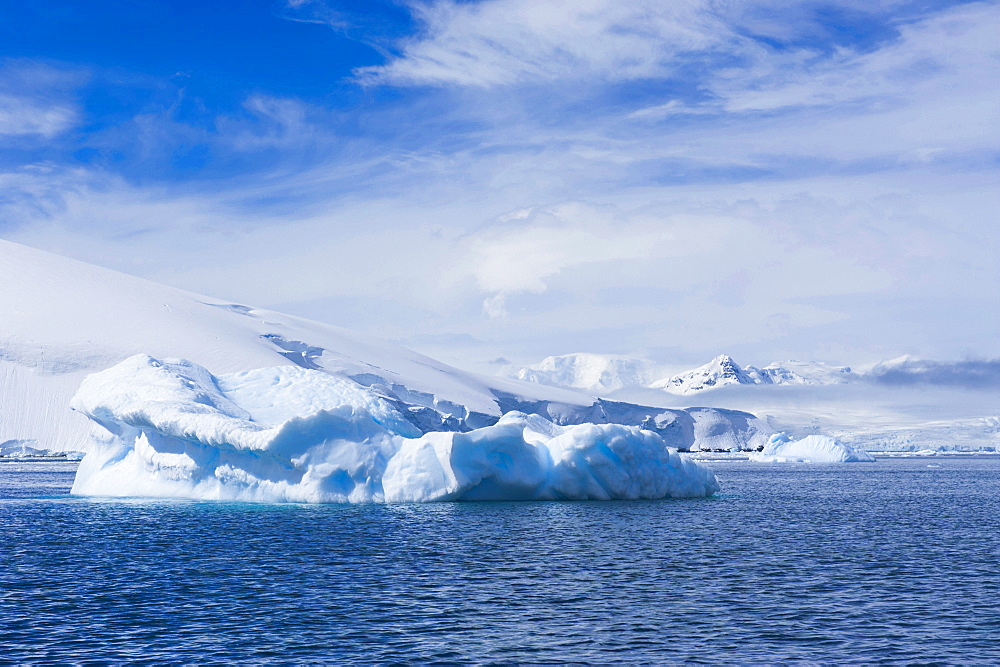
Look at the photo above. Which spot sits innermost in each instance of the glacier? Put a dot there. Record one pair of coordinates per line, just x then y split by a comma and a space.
811, 449
171, 429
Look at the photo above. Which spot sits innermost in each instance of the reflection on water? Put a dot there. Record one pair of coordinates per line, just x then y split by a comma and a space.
885, 561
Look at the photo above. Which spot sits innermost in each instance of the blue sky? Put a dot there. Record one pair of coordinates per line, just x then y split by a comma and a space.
520, 178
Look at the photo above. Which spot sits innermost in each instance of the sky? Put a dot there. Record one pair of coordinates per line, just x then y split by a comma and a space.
502, 180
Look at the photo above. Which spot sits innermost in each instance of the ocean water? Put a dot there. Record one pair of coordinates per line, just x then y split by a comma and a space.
893, 561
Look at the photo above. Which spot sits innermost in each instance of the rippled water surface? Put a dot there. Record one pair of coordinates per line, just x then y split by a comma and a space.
897, 560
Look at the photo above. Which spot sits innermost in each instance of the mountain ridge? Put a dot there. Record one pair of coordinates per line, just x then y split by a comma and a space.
606, 373
723, 371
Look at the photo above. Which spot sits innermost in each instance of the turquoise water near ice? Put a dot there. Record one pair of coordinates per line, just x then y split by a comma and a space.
893, 561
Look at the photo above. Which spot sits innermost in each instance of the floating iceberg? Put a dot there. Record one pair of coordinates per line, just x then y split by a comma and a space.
19, 449
290, 434
810, 449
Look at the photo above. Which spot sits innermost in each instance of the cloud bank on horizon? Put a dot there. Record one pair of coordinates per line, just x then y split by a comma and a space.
525, 178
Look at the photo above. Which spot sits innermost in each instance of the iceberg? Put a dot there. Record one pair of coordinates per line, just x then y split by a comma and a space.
20, 449
810, 449
169, 428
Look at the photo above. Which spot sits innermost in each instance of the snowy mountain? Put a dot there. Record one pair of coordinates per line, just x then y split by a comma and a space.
601, 374
64, 320
719, 372
901, 371
723, 371
902, 404
809, 373
592, 373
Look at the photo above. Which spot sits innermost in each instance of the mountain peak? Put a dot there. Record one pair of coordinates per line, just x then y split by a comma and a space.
721, 371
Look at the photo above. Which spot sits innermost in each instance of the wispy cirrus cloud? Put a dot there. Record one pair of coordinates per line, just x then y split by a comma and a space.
313, 11
739, 91
25, 116
957, 46
36, 100
521, 41
510, 42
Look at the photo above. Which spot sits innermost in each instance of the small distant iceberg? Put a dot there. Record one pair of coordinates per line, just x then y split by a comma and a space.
810, 449
169, 428
21, 450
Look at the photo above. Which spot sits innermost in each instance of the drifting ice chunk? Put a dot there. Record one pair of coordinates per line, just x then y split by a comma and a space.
527, 457
19, 449
171, 429
811, 449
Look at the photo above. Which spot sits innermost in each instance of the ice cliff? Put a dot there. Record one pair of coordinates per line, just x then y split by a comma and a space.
287, 434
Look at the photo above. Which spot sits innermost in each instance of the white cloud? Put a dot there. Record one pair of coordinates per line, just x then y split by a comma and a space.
503, 42
929, 95
511, 41
868, 230
36, 100
281, 122
21, 116
921, 95
527, 247
701, 269
314, 11
957, 48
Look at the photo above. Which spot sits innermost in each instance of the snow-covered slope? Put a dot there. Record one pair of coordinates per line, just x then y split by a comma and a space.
64, 319
593, 373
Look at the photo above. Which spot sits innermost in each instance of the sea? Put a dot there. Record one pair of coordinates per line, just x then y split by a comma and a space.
896, 561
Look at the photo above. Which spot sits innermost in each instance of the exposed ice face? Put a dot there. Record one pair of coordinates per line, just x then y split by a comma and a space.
810, 449
289, 434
